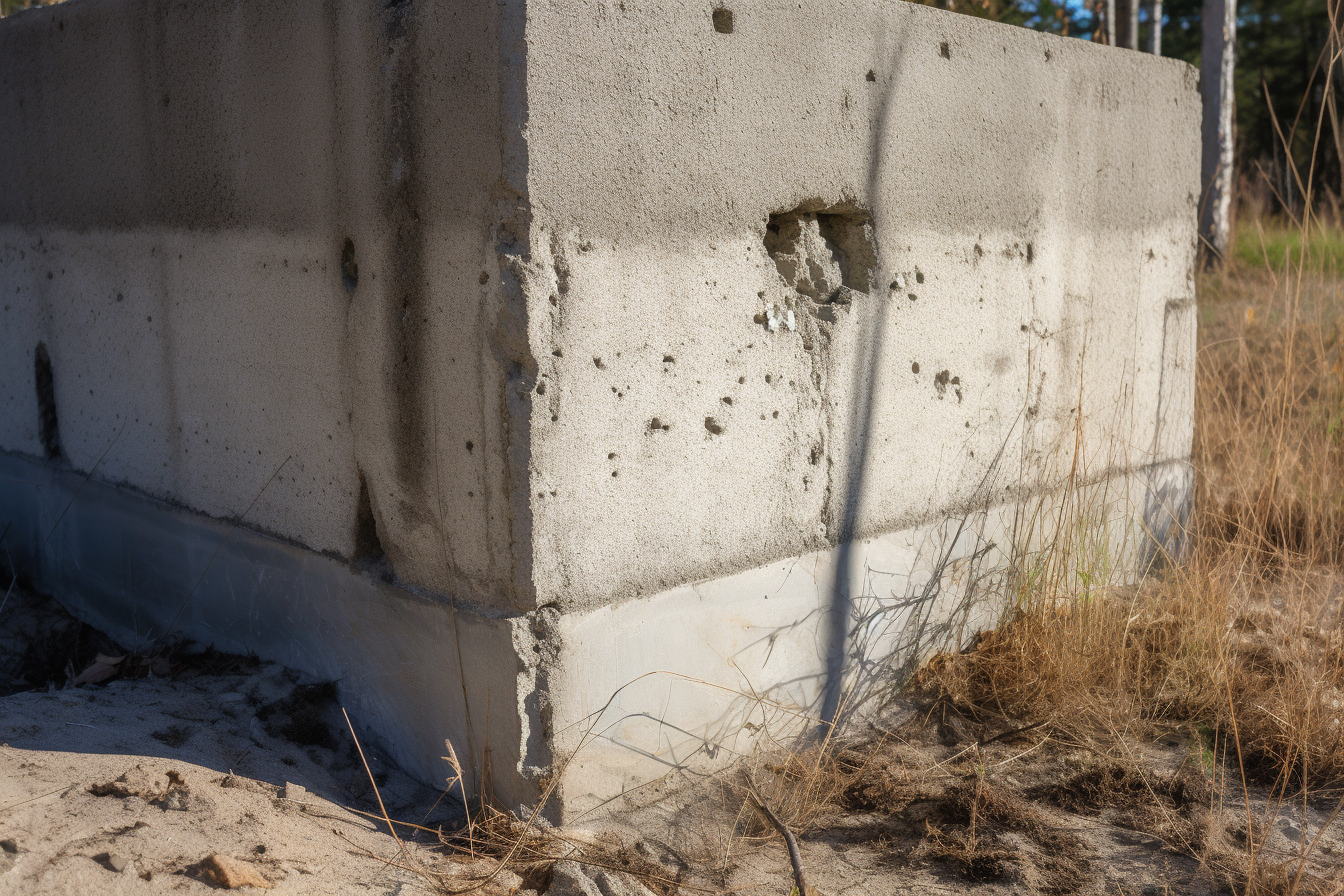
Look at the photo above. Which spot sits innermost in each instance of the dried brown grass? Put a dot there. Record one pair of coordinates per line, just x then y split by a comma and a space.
1238, 648
1244, 639
1242, 644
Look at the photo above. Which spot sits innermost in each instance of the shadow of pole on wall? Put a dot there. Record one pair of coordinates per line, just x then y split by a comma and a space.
854, 454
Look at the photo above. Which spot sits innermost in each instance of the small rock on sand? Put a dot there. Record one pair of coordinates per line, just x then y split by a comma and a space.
230, 874
573, 879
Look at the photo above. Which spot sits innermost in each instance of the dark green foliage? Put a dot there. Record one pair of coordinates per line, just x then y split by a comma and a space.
1281, 57
11, 6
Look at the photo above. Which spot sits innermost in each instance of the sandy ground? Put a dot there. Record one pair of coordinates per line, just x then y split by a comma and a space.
213, 771
1054, 821
130, 785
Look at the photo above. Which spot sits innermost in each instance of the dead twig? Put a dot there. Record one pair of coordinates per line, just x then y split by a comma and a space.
386, 818
1007, 734
795, 857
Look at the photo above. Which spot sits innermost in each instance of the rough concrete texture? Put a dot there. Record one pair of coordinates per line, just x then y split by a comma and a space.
594, 317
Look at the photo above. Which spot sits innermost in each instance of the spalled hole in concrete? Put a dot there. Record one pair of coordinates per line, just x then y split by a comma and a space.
349, 269
597, 362
914, 368
714, 426
368, 546
871, 76
723, 20
819, 249
668, 359
45, 382
944, 50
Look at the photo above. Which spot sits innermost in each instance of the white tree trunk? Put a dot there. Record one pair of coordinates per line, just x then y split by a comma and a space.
1155, 28
1217, 63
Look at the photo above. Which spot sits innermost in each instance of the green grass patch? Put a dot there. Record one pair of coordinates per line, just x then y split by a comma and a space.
1275, 245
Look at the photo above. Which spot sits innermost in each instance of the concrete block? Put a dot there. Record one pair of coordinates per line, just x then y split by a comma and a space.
639, 377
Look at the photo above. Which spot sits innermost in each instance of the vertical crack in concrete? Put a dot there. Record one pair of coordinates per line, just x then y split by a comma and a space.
510, 336
511, 343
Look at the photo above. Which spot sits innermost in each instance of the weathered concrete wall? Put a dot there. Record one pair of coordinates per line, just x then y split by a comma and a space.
1033, 195
708, 359
179, 187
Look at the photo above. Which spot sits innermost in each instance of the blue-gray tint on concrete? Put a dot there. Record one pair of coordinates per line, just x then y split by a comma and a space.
128, 565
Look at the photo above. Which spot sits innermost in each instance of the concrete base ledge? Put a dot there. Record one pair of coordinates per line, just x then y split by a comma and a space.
697, 676
683, 681
142, 571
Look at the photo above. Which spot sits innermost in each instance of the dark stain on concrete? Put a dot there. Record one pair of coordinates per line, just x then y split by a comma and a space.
349, 266
406, 314
368, 546
47, 424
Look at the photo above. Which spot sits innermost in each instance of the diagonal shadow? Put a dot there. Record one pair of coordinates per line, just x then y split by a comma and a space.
863, 409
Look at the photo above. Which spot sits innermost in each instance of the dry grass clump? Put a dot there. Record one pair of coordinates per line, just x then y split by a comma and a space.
1244, 640
972, 828
495, 851
1240, 647
1110, 784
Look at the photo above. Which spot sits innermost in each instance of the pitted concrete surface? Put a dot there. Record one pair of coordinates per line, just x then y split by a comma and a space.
543, 309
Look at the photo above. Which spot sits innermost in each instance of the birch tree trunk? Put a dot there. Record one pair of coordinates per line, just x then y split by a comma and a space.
1217, 62
1155, 28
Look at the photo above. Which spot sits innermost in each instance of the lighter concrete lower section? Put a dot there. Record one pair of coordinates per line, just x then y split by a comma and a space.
147, 573
701, 674
610, 700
